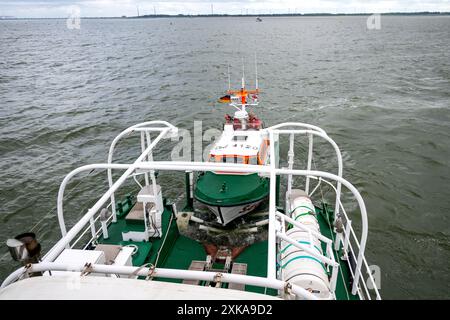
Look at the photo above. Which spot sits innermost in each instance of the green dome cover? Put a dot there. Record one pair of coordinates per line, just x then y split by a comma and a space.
227, 190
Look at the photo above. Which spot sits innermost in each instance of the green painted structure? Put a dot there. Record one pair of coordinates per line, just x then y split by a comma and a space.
226, 190
179, 251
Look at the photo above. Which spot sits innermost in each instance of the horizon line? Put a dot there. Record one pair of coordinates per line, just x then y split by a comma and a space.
180, 15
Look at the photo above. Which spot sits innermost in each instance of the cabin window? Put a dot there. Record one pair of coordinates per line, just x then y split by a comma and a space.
240, 138
233, 159
240, 160
253, 161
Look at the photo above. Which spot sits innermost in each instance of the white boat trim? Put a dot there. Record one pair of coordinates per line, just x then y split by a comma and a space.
145, 164
73, 287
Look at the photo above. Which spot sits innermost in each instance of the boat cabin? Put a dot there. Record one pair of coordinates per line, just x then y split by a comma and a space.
239, 146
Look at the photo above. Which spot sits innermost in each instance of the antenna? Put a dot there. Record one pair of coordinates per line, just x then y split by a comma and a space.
243, 74
229, 78
256, 72
137, 8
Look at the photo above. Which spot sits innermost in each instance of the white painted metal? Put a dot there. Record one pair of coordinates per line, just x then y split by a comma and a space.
324, 136
146, 177
291, 155
146, 127
271, 250
180, 166
125, 257
76, 258
301, 268
118, 289
115, 186
275, 229
105, 229
162, 273
310, 155
347, 237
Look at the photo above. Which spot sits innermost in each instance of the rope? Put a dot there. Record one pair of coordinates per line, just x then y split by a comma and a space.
135, 272
165, 237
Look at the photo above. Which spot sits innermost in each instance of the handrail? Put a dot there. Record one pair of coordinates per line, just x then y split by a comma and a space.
324, 136
271, 238
351, 232
201, 166
162, 273
68, 177
296, 124
140, 127
269, 170
318, 235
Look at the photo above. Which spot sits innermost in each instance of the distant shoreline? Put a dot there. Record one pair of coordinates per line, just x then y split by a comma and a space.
152, 16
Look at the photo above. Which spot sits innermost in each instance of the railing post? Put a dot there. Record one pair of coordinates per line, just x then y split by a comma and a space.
310, 154
338, 198
337, 241
358, 269
92, 224
290, 162
291, 166
347, 231
271, 254
142, 150
150, 158
334, 275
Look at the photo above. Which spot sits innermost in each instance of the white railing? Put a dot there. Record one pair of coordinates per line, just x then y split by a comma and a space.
194, 166
310, 131
145, 129
87, 222
349, 237
349, 234
284, 287
274, 133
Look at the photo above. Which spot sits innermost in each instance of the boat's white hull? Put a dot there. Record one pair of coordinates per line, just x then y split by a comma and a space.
227, 214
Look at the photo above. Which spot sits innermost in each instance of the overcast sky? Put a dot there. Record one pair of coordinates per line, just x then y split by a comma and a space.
92, 8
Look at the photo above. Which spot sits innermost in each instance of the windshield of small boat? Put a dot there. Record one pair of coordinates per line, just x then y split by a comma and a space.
234, 159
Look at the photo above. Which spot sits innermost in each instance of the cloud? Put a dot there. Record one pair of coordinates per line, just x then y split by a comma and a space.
90, 8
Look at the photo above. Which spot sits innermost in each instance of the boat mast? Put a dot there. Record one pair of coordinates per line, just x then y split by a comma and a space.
238, 98
256, 73
243, 97
229, 78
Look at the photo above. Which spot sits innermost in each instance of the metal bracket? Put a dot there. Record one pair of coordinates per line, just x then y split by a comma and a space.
218, 279
86, 270
288, 288
27, 271
151, 273
339, 225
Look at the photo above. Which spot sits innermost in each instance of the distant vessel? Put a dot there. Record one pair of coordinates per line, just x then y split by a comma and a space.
243, 141
258, 19
298, 249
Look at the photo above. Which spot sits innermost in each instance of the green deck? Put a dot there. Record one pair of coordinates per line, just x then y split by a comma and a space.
343, 288
179, 251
